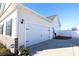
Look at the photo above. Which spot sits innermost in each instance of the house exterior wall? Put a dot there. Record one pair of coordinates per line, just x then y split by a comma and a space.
6, 6
5, 14
34, 29
2, 5
56, 24
13, 16
6, 39
55, 27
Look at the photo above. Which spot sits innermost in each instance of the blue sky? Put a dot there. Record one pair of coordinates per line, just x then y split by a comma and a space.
67, 12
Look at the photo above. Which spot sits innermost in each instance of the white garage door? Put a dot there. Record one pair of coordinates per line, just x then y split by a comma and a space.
36, 33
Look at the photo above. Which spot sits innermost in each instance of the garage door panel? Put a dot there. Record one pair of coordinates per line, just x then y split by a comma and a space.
36, 34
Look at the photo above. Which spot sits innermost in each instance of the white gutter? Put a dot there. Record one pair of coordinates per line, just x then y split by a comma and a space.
46, 19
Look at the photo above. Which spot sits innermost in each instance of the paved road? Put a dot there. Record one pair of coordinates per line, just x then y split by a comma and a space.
56, 47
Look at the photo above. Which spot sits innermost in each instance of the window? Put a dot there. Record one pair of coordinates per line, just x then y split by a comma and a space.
9, 27
0, 5
1, 28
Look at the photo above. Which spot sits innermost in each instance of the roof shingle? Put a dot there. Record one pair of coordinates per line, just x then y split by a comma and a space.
51, 17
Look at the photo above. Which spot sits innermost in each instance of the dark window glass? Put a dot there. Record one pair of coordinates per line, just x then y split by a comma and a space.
1, 28
0, 5
9, 27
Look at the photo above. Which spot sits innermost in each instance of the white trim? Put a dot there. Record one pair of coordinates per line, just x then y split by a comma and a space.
4, 16
46, 19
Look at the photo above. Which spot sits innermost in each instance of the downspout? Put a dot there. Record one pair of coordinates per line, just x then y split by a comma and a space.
17, 37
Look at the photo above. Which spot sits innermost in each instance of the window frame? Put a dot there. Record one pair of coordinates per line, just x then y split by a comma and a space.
9, 27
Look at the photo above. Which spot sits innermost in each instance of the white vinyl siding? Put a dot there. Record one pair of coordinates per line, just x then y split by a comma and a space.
6, 6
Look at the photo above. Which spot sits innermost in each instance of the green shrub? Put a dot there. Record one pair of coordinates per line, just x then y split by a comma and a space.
5, 52
24, 51
2, 46
62, 37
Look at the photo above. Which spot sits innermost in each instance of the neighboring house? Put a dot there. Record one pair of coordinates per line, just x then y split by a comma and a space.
20, 26
55, 24
69, 33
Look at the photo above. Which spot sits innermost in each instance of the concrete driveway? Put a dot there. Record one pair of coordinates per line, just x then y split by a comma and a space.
56, 47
